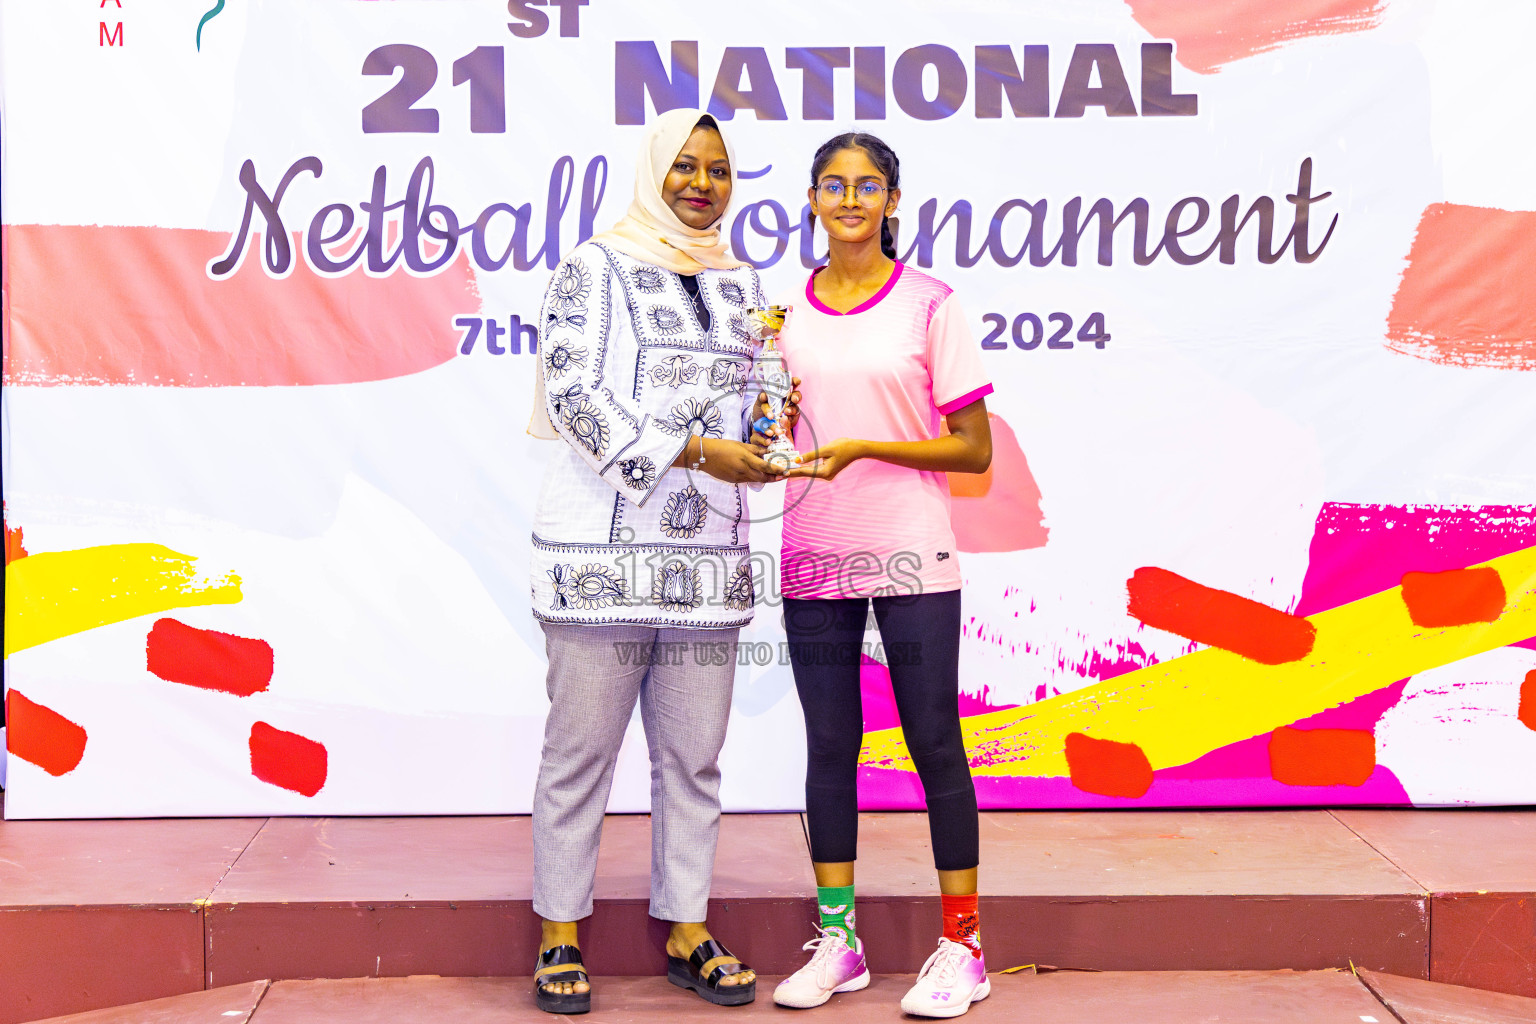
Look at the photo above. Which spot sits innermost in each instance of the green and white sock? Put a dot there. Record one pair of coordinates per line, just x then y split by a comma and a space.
836, 903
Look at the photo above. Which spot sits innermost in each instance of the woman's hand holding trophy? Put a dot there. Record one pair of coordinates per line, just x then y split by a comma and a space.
777, 398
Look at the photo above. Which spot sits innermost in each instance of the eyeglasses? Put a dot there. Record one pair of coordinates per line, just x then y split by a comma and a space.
868, 193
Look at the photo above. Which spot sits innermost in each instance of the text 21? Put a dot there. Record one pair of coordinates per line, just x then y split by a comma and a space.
483, 68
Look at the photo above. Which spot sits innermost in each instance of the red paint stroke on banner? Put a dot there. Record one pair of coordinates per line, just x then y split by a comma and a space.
287, 759
1106, 767
1210, 34
134, 305
1468, 296
42, 736
179, 653
14, 548
1322, 757
998, 510
1456, 597
1527, 712
1166, 600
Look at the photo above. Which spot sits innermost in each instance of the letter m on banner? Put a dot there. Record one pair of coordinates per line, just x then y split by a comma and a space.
112, 38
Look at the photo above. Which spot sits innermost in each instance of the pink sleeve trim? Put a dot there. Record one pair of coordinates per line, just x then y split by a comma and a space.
965, 400
869, 303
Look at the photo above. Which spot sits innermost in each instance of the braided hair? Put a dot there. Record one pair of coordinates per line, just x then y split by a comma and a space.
881, 155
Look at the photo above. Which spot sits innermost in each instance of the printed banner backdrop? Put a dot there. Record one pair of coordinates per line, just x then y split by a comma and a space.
1256, 283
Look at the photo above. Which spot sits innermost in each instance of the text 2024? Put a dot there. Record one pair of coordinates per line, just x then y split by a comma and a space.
1028, 331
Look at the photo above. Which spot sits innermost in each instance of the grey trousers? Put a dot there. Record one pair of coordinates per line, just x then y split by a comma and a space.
595, 675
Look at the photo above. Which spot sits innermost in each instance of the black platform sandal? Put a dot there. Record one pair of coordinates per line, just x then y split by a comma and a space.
561, 1002
689, 974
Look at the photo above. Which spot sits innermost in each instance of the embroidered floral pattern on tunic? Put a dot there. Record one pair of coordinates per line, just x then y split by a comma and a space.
733, 293
649, 279
559, 401
739, 330
591, 586
561, 357
665, 320
586, 421
639, 472
560, 576
572, 284
738, 592
675, 371
728, 375
568, 298
677, 588
575, 318
694, 417
685, 514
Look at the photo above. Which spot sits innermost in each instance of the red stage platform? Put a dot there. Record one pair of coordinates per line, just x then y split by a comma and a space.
1161, 997
102, 913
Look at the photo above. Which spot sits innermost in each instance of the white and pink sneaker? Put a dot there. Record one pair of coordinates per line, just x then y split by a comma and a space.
948, 984
833, 968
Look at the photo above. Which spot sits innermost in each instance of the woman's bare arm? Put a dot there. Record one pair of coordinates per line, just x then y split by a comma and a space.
967, 448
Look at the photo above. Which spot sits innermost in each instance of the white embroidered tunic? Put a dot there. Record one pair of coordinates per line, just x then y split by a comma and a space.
620, 535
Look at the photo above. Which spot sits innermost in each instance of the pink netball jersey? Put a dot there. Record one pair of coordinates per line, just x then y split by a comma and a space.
886, 370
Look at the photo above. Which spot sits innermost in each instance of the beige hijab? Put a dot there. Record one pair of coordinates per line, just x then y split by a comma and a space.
650, 231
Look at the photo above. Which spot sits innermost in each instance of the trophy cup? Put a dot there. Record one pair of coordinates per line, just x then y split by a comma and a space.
771, 377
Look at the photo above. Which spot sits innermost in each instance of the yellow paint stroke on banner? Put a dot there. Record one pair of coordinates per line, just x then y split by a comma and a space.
1183, 709
54, 594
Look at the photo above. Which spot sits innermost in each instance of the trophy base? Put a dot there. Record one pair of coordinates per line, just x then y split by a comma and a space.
782, 455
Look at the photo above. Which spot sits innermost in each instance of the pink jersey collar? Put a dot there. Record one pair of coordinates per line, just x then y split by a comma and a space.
869, 303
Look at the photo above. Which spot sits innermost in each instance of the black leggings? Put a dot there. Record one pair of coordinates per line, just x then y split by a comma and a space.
921, 634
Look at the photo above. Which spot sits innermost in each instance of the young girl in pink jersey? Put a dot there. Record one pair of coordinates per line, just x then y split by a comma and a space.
883, 354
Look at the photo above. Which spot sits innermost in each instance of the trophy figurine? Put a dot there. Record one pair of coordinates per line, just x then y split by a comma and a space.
771, 377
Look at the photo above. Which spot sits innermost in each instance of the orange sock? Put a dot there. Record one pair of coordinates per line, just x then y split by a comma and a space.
962, 923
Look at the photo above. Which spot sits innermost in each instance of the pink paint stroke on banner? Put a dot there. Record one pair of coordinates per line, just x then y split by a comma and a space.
998, 510
1358, 550
1468, 295
134, 305
886, 790
1211, 33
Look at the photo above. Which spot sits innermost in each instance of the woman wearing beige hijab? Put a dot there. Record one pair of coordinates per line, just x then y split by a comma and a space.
641, 579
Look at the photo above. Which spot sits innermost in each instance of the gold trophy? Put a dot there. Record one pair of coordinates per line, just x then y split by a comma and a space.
771, 377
